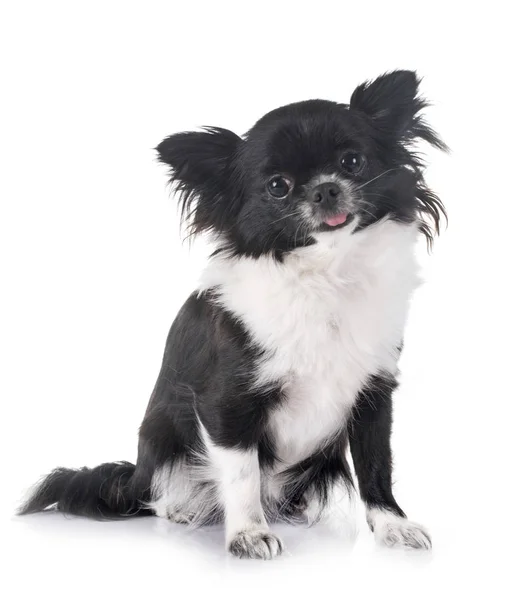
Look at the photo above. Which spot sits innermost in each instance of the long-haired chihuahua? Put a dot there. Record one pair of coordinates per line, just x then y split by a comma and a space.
286, 354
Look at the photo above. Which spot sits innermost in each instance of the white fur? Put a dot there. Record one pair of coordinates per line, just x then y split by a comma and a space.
234, 488
177, 495
392, 530
237, 473
328, 317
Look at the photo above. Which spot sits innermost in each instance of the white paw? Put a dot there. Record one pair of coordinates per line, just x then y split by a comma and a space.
394, 531
255, 543
180, 517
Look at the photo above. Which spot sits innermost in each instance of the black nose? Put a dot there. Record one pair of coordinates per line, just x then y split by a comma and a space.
326, 192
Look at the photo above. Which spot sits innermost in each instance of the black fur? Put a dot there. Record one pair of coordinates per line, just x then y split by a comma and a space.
222, 177
209, 360
105, 492
316, 477
369, 433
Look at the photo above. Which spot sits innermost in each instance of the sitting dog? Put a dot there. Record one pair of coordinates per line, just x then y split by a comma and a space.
286, 354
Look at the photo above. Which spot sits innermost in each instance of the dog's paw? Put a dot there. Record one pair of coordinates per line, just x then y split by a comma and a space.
407, 535
181, 518
394, 531
255, 543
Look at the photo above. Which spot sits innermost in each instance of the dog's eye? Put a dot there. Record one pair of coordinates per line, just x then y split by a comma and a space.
353, 162
279, 187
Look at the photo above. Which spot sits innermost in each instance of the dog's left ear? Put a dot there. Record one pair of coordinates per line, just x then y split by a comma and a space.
393, 104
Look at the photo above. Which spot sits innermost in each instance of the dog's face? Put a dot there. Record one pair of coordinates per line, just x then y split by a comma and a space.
308, 167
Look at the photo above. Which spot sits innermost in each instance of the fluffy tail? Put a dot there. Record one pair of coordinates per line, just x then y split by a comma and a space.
105, 492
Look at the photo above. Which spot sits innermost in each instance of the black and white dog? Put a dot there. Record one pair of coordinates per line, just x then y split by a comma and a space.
286, 354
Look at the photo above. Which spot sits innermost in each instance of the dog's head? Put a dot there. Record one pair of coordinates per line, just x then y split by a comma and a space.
309, 167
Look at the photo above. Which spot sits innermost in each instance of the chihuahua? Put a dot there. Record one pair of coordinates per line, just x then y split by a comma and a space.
286, 354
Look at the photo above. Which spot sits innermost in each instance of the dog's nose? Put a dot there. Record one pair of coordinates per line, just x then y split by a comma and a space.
326, 192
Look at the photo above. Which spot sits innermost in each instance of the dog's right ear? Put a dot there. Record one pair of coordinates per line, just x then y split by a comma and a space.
202, 170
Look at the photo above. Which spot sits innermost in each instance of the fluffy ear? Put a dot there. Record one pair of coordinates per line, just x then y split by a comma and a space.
393, 104
201, 169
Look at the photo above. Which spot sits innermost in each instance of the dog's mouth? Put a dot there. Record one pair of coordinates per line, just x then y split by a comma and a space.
336, 221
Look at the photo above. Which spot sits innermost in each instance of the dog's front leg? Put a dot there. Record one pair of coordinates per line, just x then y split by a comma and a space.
237, 477
370, 429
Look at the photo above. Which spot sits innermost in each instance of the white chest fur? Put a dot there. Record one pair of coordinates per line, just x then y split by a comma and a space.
328, 317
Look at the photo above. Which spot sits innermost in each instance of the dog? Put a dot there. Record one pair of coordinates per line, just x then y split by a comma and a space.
286, 355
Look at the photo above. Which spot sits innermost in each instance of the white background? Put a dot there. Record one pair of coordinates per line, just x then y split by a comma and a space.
93, 273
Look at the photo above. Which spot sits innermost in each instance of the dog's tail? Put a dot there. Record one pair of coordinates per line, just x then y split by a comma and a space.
105, 492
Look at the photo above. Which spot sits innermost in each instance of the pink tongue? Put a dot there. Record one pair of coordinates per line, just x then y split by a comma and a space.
337, 220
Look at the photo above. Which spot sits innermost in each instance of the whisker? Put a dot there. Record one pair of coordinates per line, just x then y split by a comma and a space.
271, 242
376, 196
294, 214
296, 234
368, 212
377, 177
